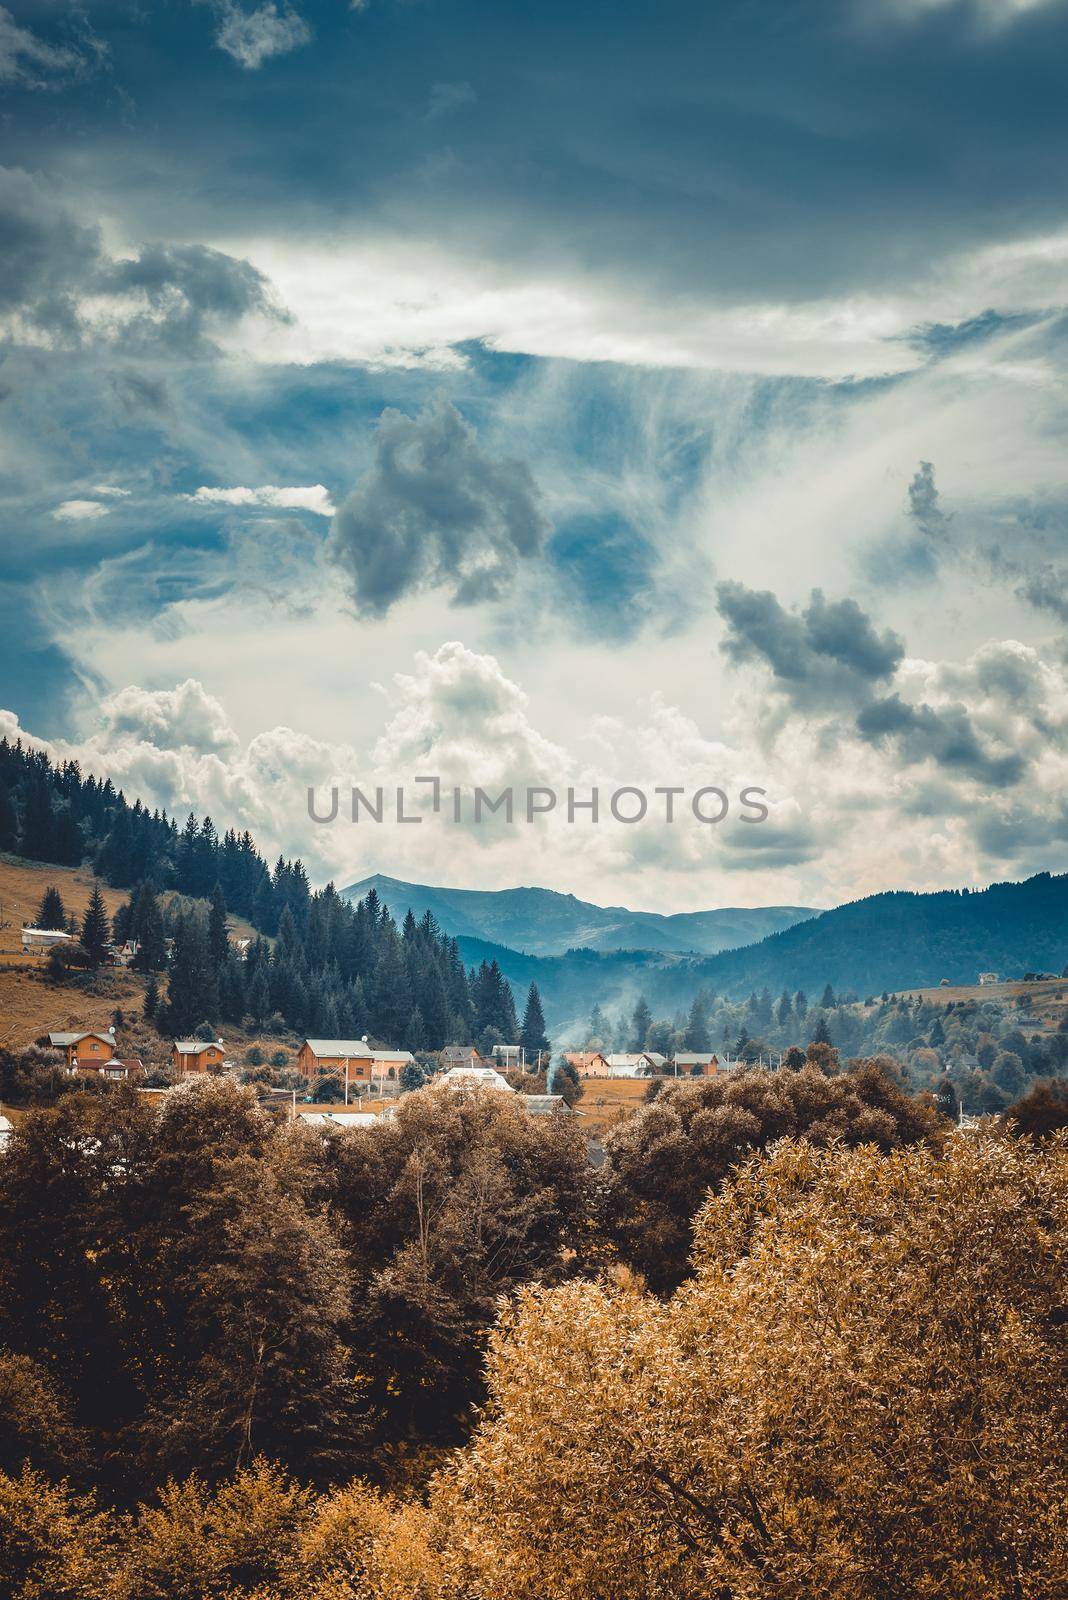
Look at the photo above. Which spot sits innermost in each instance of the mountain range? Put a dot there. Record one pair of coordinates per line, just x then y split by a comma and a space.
541, 922
886, 942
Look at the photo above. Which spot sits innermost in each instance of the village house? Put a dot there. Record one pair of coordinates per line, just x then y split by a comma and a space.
124, 1069
508, 1056
350, 1058
466, 1078
460, 1055
324, 1120
547, 1105
84, 1049
197, 1055
632, 1064
588, 1063
988, 977
38, 940
701, 1063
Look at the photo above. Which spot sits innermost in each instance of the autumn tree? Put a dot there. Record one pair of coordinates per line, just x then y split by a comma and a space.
454, 1202
662, 1162
859, 1395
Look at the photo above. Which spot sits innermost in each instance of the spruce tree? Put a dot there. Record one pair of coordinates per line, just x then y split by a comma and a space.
218, 936
151, 1000
259, 998
391, 1002
95, 929
641, 1022
532, 1036
194, 996
51, 913
697, 1037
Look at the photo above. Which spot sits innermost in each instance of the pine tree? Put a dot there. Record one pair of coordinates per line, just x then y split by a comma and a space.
697, 1037
193, 994
95, 929
391, 1002
800, 1003
640, 1023
532, 1035
415, 1033
232, 990
51, 913
785, 1008
218, 936
259, 999
146, 926
827, 1000
151, 1001
821, 1033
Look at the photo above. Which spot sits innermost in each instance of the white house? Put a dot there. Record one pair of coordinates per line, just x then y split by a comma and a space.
460, 1078
6, 1130
43, 938
338, 1119
632, 1064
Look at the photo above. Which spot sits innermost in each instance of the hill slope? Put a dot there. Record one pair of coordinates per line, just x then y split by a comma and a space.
545, 923
893, 941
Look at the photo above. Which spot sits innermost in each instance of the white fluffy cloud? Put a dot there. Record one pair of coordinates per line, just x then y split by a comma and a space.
312, 497
79, 511
458, 716
254, 37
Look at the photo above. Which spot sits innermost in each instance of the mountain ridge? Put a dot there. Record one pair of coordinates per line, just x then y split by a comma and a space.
545, 922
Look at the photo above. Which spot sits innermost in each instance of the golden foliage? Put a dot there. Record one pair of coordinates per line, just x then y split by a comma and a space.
860, 1395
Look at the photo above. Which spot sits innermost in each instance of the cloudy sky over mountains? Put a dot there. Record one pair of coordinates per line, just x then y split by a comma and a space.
646, 393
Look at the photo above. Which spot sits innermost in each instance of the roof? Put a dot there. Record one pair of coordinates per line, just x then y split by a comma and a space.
356, 1048
51, 933
340, 1119
473, 1078
62, 1040
544, 1105
196, 1047
629, 1058
579, 1058
701, 1059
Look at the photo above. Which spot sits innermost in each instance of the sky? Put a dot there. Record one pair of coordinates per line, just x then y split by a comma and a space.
572, 395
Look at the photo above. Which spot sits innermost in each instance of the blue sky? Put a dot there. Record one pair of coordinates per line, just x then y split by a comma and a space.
588, 393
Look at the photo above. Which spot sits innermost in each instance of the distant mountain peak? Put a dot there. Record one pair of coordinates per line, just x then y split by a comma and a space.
546, 922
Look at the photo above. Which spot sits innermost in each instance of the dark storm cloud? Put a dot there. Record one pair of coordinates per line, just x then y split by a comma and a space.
945, 736
925, 507
826, 654
1047, 590
167, 295
187, 290
435, 510
780, 151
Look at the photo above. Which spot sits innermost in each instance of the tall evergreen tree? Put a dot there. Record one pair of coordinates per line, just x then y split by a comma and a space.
641, 1022
218, 936
193, 995
51, 913
532, 1036
95, 929
697, 1037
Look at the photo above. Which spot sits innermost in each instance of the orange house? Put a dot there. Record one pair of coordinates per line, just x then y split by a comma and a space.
588, 1063
704, 1064
351, 1058
196, 1055
85, 1049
